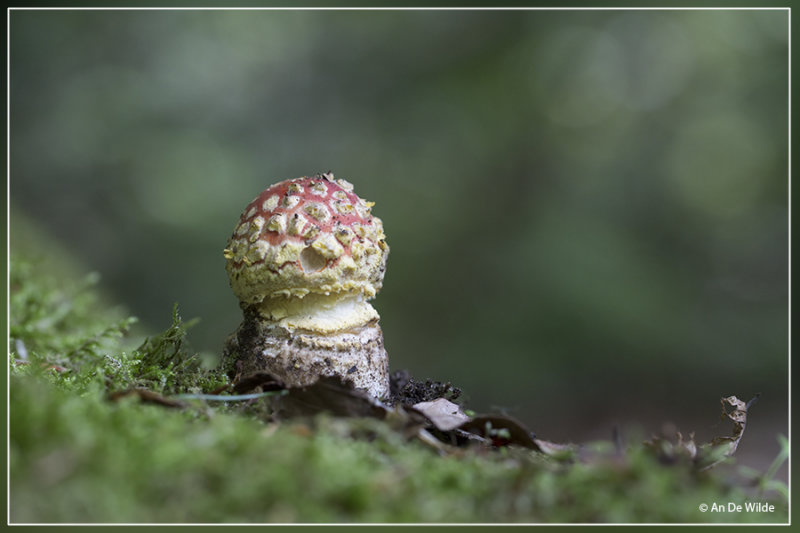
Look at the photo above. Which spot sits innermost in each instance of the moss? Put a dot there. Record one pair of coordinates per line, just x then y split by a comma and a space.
60, 328
76, 456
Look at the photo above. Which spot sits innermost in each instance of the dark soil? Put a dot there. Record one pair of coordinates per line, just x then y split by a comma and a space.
406, 390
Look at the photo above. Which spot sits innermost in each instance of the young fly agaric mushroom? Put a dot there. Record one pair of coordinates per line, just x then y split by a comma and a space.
304, 259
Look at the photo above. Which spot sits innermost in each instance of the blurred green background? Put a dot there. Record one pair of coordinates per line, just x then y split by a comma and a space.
587, 210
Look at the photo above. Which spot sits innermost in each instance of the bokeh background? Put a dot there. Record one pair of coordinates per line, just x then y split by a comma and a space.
587, 210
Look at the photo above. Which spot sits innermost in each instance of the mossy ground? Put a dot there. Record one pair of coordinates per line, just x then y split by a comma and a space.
78, 456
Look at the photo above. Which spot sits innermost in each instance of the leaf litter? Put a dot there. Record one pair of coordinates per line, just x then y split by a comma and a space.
710, 454
426, 411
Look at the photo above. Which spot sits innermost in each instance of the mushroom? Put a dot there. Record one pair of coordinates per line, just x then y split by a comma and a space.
304, 260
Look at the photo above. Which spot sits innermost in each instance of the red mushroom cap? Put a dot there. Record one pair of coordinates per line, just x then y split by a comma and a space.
306, 235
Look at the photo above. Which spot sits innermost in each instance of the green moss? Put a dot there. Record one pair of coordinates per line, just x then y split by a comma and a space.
76, 456
62, 329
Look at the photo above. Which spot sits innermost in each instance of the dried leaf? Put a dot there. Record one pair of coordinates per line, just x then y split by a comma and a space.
739, 418
443, 414
430, 440
711, 453
146, 396
330, 395
721, 448
501, 431
556, 450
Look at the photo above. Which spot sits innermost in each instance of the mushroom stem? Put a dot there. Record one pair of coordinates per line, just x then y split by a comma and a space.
298, 356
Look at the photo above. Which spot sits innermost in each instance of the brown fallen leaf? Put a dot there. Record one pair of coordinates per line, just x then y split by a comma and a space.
501, 431
709, 454
146, 396
556, 450
330, 395
738, 415
443, 414
720, 448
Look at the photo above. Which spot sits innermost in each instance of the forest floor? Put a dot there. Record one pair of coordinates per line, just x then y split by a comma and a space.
106, 428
